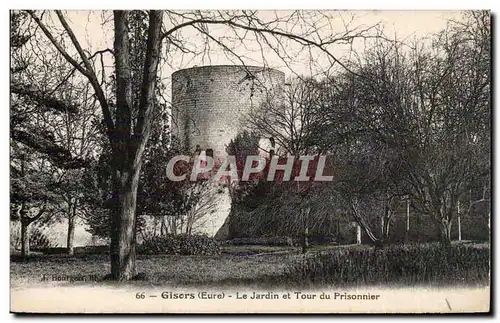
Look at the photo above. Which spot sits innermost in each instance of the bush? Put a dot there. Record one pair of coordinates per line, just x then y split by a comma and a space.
409, 264
268, 241
52, 250
181, 244
92, 250
39, 238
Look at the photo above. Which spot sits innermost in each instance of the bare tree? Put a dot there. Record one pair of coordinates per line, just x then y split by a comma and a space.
430, 106
286, 118
199, 202
454, 143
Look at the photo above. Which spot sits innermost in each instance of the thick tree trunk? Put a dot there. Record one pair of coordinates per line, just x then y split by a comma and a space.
25, 238
123, 233
129, 143
71, 232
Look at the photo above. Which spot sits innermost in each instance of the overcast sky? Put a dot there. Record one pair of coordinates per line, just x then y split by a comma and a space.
94, 29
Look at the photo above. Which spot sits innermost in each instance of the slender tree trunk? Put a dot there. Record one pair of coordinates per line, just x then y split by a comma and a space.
445, 231
407, 230
71, 236
23, 213
305, 233
385, 223
189, 223
363, 225
71, 230
163, 227
458, 223
382, 226
174, 225
386, 229
25, 238
305, 240
358, 233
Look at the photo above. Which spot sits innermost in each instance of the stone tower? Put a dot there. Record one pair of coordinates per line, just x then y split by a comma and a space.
209, 106
209, 103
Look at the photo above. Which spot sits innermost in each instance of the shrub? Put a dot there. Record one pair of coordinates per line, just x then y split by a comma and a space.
408, 264
181, 244
92, 250
39, 238
268, 241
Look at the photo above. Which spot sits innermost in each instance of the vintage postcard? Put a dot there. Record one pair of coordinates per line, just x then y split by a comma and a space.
250, 161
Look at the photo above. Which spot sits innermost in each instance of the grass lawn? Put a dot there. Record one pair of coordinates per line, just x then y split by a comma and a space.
248, 266
237, 265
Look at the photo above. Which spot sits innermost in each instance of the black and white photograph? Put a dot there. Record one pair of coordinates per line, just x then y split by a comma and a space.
250, 161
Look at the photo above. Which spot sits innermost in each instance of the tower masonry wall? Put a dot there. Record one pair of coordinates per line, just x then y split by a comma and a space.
210, 103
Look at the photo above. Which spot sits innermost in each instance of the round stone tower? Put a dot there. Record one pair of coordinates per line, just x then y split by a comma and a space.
210, 103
